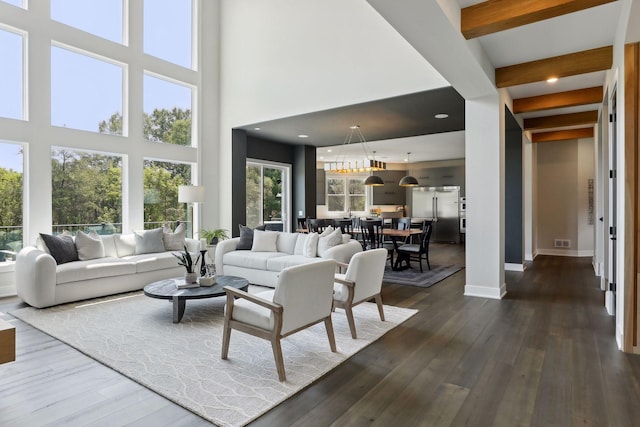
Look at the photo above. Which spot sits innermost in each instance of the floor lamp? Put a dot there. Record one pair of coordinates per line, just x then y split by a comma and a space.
190, 194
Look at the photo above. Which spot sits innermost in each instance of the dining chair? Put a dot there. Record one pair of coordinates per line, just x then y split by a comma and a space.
345, 225
303, 297
302, 223
316, 225
361, 282
416, 251
372, 237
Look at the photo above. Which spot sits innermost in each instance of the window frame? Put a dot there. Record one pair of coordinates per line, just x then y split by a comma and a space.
346, 195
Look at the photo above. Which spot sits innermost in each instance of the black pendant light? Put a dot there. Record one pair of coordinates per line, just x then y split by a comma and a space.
374, 180
408, 180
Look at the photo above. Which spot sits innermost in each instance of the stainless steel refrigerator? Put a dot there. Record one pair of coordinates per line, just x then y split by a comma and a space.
441, 205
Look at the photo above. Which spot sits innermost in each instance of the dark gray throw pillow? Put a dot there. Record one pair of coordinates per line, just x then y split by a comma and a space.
246, 238
61, 248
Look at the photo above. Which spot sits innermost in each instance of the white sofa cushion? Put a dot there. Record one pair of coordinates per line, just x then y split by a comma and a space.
149, 241
93, 269
89, 246
109, 243
311, 245
264, 241
153, 262
279, 263
286, 242
248, 259
125, 244
329, 240
174, 240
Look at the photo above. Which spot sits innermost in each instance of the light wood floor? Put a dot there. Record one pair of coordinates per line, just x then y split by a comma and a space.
545, 355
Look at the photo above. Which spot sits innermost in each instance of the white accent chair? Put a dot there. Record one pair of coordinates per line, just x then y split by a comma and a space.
361, 282
302, 298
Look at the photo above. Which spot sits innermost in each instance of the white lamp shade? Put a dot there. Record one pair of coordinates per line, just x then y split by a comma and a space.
190, 194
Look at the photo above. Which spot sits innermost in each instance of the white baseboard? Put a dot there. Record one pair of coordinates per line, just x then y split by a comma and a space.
598, 268
7, 290
509, 266
564, 252
529, 257
7, 285
485, 292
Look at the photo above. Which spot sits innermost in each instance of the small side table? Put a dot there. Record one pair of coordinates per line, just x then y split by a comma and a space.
7, 342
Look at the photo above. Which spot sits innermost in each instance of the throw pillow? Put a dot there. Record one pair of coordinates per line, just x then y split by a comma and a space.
149, 241
40, 242
89, 246
174, 240
62, 248
311, 245
327, 231
264, 241
246, 238
326, 242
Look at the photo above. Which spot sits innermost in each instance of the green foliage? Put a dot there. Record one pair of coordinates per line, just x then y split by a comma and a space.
185, 260
271, 185
219, 233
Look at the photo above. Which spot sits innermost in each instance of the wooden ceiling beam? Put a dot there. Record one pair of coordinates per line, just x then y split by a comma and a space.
572, 98
562, 135
498, 15
587, 61
561, 120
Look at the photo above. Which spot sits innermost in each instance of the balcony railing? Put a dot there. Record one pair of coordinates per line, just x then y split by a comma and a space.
10, 242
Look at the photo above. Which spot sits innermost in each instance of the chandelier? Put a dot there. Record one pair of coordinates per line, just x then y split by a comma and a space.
366, 165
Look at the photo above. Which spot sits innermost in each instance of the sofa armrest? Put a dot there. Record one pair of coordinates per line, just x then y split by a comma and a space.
35, 277
222, 248
343, 253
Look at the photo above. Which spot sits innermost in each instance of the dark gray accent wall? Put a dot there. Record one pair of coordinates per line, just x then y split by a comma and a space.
514, 242
303, 165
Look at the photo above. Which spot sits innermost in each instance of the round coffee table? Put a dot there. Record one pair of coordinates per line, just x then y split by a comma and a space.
166, 289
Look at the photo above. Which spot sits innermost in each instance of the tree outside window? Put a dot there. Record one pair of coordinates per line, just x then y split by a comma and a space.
11, 191
346, 194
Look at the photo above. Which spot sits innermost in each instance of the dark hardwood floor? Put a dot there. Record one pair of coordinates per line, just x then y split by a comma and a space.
543, 356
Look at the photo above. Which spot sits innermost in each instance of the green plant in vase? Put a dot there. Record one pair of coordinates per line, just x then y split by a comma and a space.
186, 260
213, 236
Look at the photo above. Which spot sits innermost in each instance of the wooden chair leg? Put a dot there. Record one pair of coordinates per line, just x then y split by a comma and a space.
226, 336
328, 324
277, 355
379, 303
352, 323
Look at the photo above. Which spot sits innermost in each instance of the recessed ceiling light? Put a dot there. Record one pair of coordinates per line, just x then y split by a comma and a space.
441, 116
321, 157
256, 128
552, 79
303, 136
329, 150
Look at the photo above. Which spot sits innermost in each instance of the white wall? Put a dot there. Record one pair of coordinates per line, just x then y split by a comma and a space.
285, 57
563, 168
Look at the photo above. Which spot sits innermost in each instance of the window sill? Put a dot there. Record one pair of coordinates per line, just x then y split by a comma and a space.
7, 267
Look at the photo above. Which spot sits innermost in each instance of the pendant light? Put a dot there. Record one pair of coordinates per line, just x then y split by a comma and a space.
374, 180
408, 180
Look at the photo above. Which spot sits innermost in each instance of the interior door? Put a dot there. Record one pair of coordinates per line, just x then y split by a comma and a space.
610, 296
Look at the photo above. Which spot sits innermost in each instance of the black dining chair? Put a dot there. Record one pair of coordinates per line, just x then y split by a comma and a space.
302, 223
413, 251
345, 225
316, 225
372, 237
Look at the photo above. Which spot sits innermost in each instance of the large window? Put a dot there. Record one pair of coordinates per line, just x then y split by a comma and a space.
267, 195
161, 182
346, 194
167, 111
84, 90
100, 17
168, 29
11, 75
86, 191
11, 192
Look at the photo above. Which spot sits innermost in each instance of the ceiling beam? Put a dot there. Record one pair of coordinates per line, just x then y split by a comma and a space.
561, 120
498, 15
587, 61
562, 135
572, 98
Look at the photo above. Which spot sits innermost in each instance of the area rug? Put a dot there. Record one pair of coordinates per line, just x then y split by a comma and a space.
413, 276
134, 335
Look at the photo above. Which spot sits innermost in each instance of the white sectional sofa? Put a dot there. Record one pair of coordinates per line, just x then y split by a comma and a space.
262, 264
41, 282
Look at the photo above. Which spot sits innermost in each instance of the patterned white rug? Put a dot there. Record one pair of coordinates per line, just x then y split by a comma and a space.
134, 335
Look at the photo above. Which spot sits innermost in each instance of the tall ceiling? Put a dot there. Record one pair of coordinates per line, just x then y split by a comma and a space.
526, 42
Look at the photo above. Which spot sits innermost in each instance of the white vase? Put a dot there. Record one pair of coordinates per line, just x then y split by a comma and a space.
191, 278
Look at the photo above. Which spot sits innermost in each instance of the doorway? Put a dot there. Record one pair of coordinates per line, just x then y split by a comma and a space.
610, 294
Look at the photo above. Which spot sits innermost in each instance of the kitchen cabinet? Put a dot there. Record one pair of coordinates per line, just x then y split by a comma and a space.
440, 176
390, 193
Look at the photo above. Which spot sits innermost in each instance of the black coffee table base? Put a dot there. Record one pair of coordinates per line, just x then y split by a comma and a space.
166, 289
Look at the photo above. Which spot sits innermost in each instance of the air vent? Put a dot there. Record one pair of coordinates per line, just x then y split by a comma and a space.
562, 243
